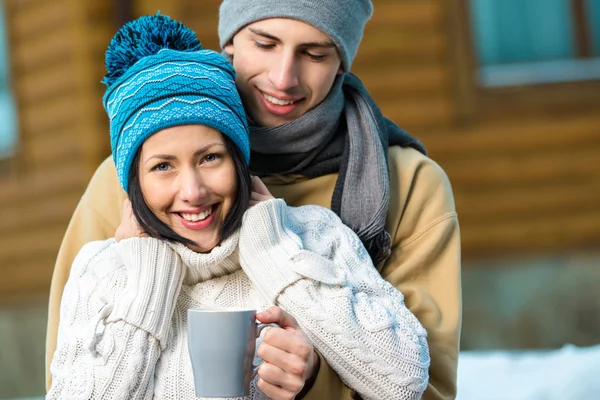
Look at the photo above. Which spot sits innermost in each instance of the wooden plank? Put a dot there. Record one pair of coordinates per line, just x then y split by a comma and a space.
22, 5
391, 81
418, 113
396, 46
31, 276
540, 101
57, 47
548, 200
100, 10
80, 162
200, 14
559, 166
40, 19
208, 8
32, 296
542, 235
413, 13
44, 239
71, 146
12, 8
25, 217
206, 30
91, 152
39, 52
46, 149
514, 136
47, 250
99, 39
582, 31
150, 7
461, 59
44, 183
46, 83
53, 114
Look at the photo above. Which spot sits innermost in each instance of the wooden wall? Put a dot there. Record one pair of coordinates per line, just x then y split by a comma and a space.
523, 161
56, 51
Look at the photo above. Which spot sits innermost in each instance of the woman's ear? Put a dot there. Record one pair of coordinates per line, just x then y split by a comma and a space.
229, 48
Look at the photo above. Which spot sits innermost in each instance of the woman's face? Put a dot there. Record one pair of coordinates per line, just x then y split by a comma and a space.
188, 180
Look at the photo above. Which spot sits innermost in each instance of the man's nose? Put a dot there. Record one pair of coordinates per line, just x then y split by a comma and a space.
284, 73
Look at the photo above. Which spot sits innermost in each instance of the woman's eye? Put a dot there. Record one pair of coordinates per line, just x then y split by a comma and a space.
211, 157
162, 167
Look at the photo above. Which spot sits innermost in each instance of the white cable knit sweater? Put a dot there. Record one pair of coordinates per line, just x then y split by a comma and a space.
123, 333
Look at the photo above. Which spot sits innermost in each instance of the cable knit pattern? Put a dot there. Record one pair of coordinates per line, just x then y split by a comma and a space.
123, 325
310, 264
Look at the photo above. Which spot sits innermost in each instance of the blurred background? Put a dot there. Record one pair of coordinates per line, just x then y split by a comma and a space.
505, 94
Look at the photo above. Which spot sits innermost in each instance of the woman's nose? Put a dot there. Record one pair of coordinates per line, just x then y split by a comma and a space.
192, 189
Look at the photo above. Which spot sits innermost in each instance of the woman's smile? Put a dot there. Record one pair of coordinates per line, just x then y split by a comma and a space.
198, 220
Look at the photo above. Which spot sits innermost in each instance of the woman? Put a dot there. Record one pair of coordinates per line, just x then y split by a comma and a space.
179, 139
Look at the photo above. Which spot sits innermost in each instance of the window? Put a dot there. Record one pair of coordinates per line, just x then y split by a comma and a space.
8, 124
536, 41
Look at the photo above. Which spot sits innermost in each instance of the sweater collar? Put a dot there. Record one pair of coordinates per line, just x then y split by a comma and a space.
220, 261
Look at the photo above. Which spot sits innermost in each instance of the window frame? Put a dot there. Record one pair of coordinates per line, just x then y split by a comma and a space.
475, 101
9, 162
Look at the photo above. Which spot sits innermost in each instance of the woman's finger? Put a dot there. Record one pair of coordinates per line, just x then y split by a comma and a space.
129, 226
278, 384
286, 361
275, 392
291, 341
259, 187
279, 316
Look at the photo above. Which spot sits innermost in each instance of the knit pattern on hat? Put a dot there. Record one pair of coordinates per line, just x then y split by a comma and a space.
342, 20
167, 88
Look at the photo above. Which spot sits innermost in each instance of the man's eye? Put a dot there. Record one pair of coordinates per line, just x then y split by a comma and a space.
315, 57
264, 46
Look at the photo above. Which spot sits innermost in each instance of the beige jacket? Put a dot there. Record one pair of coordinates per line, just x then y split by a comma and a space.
424, 264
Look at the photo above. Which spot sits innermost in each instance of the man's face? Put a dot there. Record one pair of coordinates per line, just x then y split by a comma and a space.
284, 68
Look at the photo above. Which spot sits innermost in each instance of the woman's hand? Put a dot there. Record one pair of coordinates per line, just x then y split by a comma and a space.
259, 192
129, 226
289, 356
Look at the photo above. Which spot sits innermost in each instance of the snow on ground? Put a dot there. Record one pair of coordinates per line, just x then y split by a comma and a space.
569, 373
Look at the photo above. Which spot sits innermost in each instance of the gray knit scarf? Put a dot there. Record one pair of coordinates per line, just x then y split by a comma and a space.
345, 133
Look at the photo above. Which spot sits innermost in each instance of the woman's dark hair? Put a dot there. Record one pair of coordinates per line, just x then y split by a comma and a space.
155, 228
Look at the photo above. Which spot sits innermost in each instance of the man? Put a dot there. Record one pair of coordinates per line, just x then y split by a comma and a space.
317, 137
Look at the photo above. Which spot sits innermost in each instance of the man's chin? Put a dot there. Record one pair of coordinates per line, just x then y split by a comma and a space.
273, 121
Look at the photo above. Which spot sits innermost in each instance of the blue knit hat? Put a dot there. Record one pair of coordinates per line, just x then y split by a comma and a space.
158, 76
342, 20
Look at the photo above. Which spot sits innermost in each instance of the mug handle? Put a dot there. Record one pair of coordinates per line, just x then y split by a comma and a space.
259, 329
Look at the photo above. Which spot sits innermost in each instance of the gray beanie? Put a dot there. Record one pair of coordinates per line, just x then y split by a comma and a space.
342, 20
